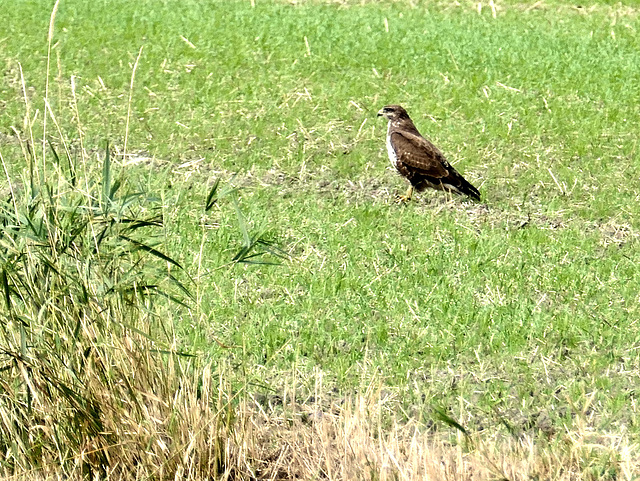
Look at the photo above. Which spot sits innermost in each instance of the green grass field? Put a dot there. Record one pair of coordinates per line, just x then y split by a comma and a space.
516, 315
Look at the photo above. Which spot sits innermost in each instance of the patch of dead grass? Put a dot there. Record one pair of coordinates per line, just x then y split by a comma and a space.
194, 430
353, 442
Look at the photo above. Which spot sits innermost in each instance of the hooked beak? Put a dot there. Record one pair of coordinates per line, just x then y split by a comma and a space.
380, 113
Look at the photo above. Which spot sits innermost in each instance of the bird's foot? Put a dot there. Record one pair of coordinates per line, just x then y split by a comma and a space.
403, 199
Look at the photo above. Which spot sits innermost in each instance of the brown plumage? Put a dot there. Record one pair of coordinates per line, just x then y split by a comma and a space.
418, 160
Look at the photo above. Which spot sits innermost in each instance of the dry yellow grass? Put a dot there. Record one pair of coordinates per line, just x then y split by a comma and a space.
191, 431
351, 444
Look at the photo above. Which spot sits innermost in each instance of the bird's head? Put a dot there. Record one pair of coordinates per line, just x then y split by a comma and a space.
393, 112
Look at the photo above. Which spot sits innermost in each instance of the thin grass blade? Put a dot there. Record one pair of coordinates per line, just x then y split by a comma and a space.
106, 177
441, 415
150, 250
212, 197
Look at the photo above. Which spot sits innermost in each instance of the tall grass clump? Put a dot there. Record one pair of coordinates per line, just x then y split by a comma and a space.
92, 378
90, 374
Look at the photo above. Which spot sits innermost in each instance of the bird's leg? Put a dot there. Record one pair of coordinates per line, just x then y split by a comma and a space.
407, 197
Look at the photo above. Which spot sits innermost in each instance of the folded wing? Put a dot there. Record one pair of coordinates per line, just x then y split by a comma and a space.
425, 166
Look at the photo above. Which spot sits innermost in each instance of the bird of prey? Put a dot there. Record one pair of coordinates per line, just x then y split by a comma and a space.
418, 160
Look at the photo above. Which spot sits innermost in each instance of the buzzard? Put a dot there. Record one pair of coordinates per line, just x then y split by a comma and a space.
418, 160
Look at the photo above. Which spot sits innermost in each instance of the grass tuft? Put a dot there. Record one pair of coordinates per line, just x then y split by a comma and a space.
79, 287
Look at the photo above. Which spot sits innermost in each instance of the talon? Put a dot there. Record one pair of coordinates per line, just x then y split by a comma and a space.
403, 199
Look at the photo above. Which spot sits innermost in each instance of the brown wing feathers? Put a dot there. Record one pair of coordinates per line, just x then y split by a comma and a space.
426, 166
419, 160
418, 154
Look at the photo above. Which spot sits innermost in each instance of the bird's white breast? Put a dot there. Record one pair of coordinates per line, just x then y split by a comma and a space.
393, 158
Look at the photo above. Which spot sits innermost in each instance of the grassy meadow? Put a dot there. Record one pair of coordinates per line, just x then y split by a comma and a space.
235, 256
